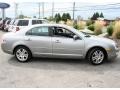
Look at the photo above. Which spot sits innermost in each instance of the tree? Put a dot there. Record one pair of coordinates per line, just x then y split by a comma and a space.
34, 17
95, 16
21, 16
66, 16
57, 17
101, 15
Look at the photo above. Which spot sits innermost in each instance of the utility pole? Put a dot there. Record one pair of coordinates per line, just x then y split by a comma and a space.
16, 9
43, 9
39, 9
52, 9
73, 10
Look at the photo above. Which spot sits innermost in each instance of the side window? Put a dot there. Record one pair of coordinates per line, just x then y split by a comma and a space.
39, 21
36, 22
38, 31
62, 32
23, 23
33, 22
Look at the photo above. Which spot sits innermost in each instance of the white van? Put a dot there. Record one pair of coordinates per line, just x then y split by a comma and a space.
22, 23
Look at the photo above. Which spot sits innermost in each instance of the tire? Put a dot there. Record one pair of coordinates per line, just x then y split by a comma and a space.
22, 54
96, 56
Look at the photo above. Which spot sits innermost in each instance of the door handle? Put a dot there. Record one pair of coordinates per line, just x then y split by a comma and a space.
57, 41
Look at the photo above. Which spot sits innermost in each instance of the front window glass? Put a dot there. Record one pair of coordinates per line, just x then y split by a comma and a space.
62, 32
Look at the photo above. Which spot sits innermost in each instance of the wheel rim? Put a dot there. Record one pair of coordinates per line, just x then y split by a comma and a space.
98, 57
22, 54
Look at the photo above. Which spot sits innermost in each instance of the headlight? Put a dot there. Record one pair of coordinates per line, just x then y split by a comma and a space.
115, 45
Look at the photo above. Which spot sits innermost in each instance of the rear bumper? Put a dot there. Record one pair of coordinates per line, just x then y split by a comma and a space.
5, 49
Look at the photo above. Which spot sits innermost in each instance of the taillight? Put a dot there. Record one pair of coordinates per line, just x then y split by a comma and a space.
17, 28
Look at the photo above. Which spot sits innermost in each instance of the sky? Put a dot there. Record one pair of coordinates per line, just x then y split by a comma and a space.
84, 8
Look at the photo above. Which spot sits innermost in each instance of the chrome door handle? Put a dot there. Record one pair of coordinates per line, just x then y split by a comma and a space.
57, 41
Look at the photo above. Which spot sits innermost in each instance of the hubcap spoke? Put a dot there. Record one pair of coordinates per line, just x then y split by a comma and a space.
22, 54
97, 56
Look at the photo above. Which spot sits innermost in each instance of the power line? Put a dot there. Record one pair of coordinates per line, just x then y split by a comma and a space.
100, 5
99, 9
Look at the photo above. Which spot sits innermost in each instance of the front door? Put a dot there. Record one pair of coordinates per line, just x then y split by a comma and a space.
65, 45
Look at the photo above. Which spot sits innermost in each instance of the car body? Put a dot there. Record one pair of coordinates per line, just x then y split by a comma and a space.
6, 26
10, 26
2, 23
58, 41
22, 23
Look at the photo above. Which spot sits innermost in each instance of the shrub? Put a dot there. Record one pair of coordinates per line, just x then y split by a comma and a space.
75, 26
116, 33
89, 22
91, 27
61, 22
110, 30
98, 27
81, 24
69, 22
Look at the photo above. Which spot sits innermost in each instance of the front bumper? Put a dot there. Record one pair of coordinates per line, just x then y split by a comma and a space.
113, 54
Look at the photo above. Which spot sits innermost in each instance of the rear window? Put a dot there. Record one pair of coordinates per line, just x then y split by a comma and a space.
36, 22
23, 23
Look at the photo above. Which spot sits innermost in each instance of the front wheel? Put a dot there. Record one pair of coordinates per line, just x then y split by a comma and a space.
22, 54
96, 56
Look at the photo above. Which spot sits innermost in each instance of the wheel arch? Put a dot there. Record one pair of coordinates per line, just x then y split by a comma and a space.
94, 48
19, 46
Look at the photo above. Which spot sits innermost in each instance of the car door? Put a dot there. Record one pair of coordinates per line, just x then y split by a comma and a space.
64, 44
39, 41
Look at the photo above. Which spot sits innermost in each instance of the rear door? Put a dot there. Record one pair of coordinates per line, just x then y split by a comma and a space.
39, 41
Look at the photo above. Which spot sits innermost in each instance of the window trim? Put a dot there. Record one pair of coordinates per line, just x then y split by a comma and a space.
63, 36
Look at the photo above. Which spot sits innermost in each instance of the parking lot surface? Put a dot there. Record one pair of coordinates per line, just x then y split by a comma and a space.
43, 72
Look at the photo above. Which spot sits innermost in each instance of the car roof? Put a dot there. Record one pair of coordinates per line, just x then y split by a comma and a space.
31, 19
47, 24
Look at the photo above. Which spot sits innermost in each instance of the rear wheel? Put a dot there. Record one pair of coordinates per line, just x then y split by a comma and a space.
96, 56
22, 54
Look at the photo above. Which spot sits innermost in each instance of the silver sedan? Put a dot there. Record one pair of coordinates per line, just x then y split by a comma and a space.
58, 41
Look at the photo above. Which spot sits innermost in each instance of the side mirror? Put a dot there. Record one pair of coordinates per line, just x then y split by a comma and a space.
75, 37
